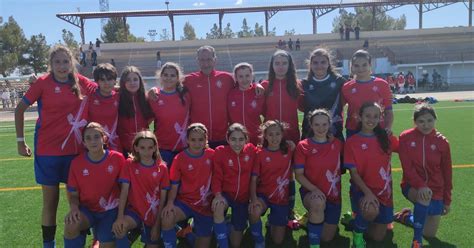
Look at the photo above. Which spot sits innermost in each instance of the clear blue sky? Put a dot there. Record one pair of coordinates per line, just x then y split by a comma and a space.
39, 16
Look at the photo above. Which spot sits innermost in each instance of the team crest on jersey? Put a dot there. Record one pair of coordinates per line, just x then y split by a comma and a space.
413, 144
160, 102
208, 161
85, 172
332, 85
433, 147
233, 104
57, 90
246, 158
198, 86
285, 156
231, 163
314, 151
311, 87
219, 84
110, 169
354, 90
364, 146
268, 159
137, 172
190, 167
253, 104
96, 102
375, 88
154, 174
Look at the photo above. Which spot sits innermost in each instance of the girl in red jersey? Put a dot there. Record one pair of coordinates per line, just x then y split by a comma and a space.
230, 184
365, 88
145, 182
367, 156
427, 173
243, 104
62, 109
93, 190
103, 104
134, 111
190, 194
411, 82
269, 184
317, 169
171, 108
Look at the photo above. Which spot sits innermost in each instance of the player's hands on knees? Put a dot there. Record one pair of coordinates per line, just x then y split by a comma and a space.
424, 194
74, 216
119, 227
168, 210
23, 149
369, 200
218, 201
446, 209
152, 94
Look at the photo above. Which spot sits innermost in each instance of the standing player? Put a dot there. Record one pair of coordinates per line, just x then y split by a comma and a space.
317, 169
145, 182
134, 111
171, 108
322, 89
103, 104
427, 173
411, 82
61, 95
401, 83
93, 190
244, 106
230, 184
391, 83
365, 88
190, 195
269, 184
367, 156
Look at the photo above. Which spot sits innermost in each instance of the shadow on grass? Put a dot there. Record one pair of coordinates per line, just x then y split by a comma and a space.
338, 241
437, 243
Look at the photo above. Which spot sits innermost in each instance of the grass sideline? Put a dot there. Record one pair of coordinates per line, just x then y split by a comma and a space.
21, 209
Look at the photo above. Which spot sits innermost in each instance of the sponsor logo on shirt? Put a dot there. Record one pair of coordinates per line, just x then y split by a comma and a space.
160, 102
57, 90
364, 146
413, 144
190, 167
246, 158
375, 88
198, 86
154, 174
354, 90
231, 163
314, 151
433, 147
110, 169
137, 172
233, 104
85, 172
268, 159
96, 102
219, 84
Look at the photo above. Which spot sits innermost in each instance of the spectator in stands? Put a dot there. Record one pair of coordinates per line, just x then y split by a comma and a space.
298, 44
82, 57
357, 30
94, 59
436, 77
411, 82
112, 62
97, 46
280, 44
158, 60
366, 44
91, 46
348, 31
6, 98
290, 44
341, 31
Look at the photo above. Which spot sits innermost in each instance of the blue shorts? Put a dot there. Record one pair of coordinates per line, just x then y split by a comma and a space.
385, 215
278, 213
332, 212
101, 223
146, 230
202, 224
167, 156
52, 170
239, 213
436, 206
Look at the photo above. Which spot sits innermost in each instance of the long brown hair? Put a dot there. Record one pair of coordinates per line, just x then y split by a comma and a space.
179, 72
140, 136
292, 86
283, 127
126, 98
75, 88
323, 53
380, 133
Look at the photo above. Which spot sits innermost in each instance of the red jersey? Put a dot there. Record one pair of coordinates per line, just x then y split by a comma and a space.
426, 162
245, 107
146, 183
411, 79
273, 169
209, 101
279, 105
128, 127
193, 173
96, 182
104, 110
372, 164
321, 163
232, 172
355, 93
401, 80
171, 119
62, 115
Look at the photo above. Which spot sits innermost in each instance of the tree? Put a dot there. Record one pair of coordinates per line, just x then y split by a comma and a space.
258, 30
13, 44
68, 38
115, 32
227, 33
272, 32
189, 33
364, 17
165, 35
290, 32
36, 55
246, 31
214, 33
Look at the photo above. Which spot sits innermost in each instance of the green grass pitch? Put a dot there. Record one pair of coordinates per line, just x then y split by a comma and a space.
20, 210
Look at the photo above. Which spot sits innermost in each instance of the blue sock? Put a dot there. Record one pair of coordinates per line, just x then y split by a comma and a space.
256, 230
220, 229
314, 233
77, 242
360, 224
49, 244
169, 237
292, 191
419, 217
122, 243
